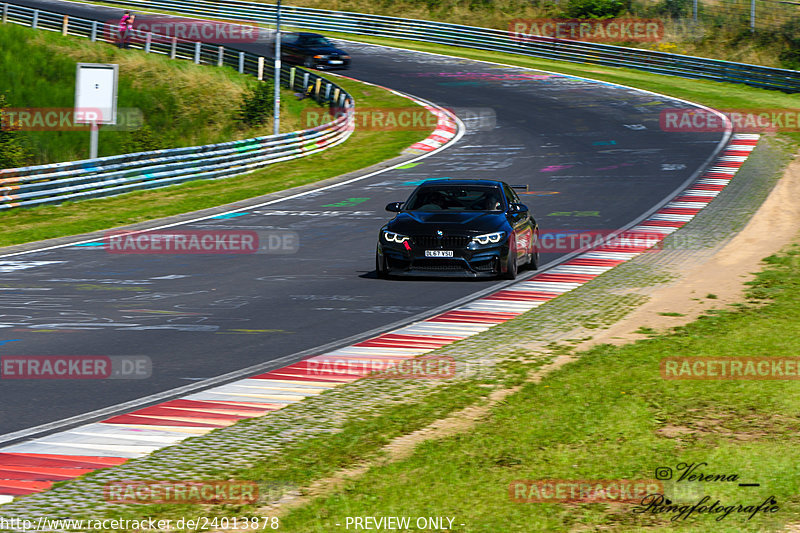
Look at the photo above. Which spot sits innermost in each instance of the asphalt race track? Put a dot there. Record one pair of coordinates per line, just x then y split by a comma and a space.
592, 154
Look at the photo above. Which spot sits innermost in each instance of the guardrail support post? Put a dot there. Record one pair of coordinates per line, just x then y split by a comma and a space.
336, 92
93, 36
260, 68
317, 87
197, 46
5, 13
241, 62
173, 52
35, 21
148, 42
65, 25
291, 77
328, 91
305, 82
221, 56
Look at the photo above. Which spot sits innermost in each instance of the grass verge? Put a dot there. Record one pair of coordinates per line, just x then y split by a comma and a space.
713, 94
182, 104
608, 430
611, 416
362, 149
311, 459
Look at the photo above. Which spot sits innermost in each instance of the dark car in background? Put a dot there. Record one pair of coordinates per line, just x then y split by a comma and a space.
459, 228
312, 50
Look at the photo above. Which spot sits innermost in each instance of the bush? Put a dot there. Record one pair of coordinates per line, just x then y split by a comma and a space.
257, 107
12, 153
675, 8
142, 140
594, 9
790, 56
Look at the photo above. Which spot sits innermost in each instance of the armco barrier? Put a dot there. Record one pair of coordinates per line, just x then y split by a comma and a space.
482, 39
108, 176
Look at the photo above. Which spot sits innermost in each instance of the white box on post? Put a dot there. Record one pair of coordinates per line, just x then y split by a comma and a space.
96, 98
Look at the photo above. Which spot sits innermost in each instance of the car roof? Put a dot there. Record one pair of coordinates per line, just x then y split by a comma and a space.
454, 181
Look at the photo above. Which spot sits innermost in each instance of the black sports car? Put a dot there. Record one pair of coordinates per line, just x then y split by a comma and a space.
312, 50
469, 228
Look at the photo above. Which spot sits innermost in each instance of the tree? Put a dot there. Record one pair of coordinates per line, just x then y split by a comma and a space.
12, 152
258, 105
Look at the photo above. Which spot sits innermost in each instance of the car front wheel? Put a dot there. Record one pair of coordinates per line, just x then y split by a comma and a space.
534, 262
380, 266
511, 264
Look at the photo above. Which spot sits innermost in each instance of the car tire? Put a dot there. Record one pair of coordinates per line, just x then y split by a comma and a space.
380, 266
533, 257
511, 265
533, 264
308, 62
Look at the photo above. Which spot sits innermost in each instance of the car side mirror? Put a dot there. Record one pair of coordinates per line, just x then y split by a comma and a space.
395, 207
518, 208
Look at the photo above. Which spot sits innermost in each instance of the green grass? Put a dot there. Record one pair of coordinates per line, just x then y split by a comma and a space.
362, 149
310, 459
610, 415
183, 104
607, 416
714, 94
719, 33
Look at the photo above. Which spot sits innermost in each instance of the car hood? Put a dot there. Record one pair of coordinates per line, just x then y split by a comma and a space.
328, 50
469, 222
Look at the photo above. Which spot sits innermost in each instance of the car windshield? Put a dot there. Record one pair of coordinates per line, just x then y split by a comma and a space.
455, 198
316, 40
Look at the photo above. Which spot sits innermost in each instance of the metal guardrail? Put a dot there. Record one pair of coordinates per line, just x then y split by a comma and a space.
108, 176
482, 39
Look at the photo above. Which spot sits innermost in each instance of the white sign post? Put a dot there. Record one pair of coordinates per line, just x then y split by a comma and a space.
96, 98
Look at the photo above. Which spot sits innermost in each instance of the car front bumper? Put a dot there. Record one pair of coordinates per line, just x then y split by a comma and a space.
330, 64
484, 262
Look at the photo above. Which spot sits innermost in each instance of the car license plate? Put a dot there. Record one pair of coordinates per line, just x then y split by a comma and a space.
438, 253
336, 61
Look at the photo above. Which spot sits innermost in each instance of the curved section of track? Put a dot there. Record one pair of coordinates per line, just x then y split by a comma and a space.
592, 154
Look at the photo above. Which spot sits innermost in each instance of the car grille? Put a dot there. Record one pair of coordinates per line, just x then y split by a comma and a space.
487, 265
447, 242
399, 264
440, 265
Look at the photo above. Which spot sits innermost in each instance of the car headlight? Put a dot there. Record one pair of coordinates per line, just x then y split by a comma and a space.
489, 238
345, 57
320, 57
395, 237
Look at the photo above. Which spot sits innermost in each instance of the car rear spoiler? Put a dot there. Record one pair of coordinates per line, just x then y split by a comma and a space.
520, 187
